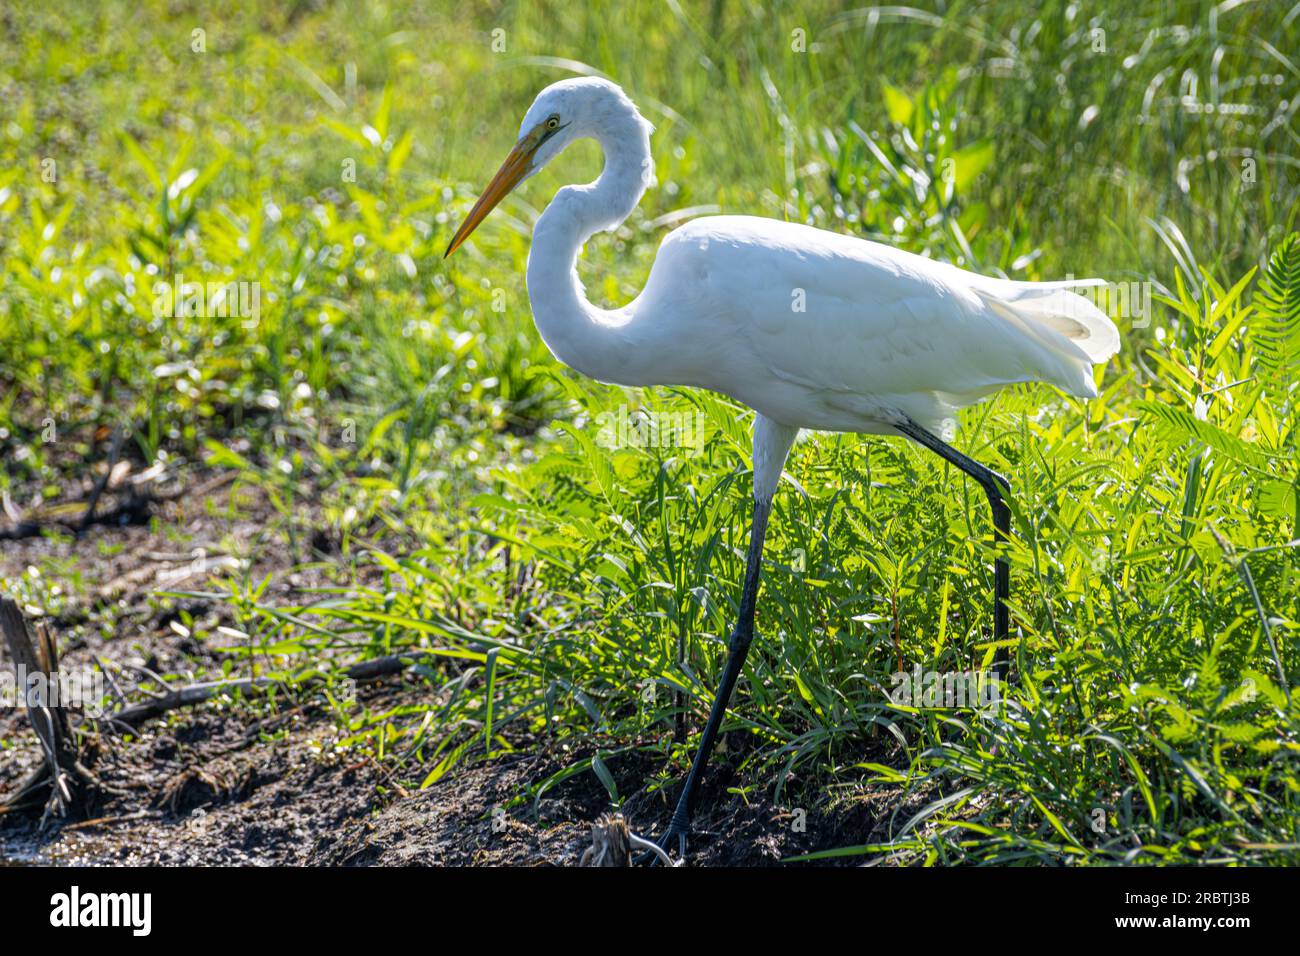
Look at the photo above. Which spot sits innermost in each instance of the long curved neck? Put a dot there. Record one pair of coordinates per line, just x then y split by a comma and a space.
599, 343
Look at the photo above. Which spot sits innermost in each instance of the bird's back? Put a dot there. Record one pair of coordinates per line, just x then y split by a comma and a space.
834, 332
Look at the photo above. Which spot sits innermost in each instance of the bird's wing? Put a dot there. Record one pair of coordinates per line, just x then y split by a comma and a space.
843, 316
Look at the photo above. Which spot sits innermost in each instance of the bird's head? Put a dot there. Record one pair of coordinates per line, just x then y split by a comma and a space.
563, 112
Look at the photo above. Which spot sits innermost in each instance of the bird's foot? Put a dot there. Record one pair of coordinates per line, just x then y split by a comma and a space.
661, 851
676, 834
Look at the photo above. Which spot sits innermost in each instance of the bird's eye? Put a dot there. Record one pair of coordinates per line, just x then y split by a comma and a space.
553, 123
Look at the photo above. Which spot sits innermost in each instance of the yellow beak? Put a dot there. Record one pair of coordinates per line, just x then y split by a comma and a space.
507, 178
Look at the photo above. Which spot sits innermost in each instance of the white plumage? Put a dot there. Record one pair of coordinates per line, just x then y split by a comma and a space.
809, 328
819, 330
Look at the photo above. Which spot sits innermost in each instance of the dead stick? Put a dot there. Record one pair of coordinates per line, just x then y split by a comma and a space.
32, 527
112, 681
119, 435
192, 694
105, 821
33, 786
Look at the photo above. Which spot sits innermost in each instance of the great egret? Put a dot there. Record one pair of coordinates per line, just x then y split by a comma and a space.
809, 328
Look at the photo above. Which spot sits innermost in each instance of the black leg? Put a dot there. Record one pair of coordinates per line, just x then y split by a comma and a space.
738, 646
995, 487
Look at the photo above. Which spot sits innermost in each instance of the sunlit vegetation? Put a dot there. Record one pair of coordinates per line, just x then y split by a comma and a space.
575, 592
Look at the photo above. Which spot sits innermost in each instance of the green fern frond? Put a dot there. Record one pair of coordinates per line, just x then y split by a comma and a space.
1277, 304
1178, 425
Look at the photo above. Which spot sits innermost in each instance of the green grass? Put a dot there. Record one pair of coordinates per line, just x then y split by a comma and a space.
574, 591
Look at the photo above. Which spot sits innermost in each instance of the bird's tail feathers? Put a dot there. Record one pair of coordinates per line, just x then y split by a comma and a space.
1067, 325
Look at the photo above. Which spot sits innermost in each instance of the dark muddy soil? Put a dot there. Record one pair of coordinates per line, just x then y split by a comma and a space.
266, 781
468, 820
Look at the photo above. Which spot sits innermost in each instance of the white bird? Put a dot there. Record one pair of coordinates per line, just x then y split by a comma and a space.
809, 328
